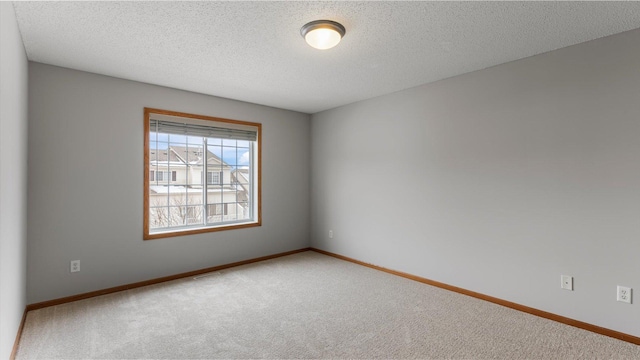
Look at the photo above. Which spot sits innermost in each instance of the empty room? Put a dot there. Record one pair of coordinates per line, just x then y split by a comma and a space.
316, 179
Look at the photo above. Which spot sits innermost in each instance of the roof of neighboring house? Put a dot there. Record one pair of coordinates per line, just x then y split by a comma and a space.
163, 155
241, 175
177, 189
183, 155
172, 190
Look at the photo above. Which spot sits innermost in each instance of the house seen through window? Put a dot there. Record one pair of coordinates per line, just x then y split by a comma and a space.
201, 174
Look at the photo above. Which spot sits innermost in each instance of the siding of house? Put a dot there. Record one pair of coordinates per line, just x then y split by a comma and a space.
497, 181
87, 204
13, 178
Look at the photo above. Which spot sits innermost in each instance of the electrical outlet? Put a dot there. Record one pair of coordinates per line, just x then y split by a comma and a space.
330, 234
75, 266
624, 294
566, 282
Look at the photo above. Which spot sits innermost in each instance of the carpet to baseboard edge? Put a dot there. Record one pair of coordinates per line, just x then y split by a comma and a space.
571, 322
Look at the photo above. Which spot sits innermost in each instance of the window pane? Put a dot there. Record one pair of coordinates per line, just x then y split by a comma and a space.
158, 199
243, 210
194, 215
158, 217
194, 140
194, 174
215, 154
229, 155
194, 196
230, 212
177, 139
242, 176
214, 141
243, 157
214, 196
160, 137
177, 215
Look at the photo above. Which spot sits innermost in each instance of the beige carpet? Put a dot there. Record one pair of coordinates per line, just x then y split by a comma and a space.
306, 305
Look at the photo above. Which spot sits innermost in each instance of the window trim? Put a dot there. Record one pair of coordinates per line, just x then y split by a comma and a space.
147, 235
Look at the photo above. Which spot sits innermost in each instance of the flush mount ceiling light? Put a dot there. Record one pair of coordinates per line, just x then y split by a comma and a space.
322, 34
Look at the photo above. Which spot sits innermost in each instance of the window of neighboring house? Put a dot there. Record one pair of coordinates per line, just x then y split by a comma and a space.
190, 146
213, 177
162, 175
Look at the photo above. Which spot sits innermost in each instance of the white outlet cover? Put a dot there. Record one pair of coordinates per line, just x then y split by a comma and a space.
566, 282
624, 294
74, 266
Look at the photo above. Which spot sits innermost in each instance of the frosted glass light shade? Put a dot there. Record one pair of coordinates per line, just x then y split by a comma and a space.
322, 34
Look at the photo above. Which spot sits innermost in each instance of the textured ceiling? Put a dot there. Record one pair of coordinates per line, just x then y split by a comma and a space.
253, 51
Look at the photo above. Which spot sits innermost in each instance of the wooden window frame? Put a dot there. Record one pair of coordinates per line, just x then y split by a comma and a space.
147, 235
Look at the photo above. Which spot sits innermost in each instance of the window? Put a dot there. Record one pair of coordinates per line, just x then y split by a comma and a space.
213, 178
162, 175
179, 149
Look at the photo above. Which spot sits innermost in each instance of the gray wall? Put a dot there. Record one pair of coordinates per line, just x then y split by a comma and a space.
13, 178
86, 184
497, 181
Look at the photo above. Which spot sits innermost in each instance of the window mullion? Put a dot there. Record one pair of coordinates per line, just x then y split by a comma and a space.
250, 185
222, 163
205, 180
168, 188
186, 187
